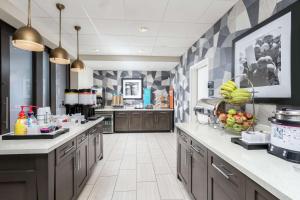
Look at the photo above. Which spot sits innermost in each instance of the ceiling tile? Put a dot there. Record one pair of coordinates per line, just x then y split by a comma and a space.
168, 51
145, 9
36, 11
183, 29
174, 42
121, 27
104, 9
187, 11
217, 9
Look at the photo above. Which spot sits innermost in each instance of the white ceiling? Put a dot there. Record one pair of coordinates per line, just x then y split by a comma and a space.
111, 26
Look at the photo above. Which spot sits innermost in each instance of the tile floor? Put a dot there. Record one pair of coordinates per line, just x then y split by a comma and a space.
136, 166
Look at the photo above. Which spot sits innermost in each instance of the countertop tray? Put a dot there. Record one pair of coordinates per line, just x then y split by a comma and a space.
249, 146
52, 135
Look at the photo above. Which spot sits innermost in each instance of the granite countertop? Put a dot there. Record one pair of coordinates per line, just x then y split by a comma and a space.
279, 177
107, 109
43, 146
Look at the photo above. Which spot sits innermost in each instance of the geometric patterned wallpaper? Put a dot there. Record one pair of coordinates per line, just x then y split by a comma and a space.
158, 81
216, 45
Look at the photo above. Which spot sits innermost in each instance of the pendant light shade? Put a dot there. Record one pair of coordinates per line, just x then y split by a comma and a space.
59, 55
26, 37
77, 65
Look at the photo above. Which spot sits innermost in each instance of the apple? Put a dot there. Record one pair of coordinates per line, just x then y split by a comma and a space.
238, 119
249, 115
244, 118
230, 121
240, 114
222, 117
231, 111
247, 124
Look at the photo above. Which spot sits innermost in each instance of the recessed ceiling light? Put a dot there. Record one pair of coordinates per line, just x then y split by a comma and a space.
143, 29
97, 50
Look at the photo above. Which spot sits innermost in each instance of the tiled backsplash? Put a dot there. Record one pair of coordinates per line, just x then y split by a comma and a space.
158, 81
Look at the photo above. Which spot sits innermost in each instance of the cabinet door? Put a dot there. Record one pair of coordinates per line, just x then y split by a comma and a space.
121, 122
92, 154
82, 165
65, 178
163, 120
255, 192
198, 171
98, 146
18, 185
148, 121
183, 159
224, 181
135, 121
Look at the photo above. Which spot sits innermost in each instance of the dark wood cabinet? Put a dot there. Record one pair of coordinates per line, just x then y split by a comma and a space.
65, 177
82, 168
198, 180
163, 120
92, 154
183, 162
255, 192
206, 176
224, 181
121, 121
135, 121
148, 121
18, 185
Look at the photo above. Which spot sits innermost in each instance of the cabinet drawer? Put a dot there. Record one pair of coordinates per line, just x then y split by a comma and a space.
82, 137
199, 149
65, 150
224, 177
121, 114
183, 137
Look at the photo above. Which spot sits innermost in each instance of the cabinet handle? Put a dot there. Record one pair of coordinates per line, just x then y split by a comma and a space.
187, 153
198, 151
227, 176
6, 112
78, 162
69, 149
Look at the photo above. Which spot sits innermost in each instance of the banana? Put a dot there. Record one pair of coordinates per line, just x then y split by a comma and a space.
240, 94
231, 83
227, 88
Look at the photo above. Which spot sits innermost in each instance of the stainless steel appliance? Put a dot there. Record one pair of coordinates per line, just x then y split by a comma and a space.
285, 135
207, 110
108, 122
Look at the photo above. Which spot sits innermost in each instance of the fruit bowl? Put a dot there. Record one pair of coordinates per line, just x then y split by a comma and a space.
236, 122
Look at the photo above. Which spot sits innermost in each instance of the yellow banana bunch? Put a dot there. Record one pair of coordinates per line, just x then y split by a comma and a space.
234, 95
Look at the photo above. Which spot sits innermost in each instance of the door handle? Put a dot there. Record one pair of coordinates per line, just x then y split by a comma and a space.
227, 176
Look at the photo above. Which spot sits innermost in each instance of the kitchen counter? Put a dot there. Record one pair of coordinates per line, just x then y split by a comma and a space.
279, 177
111, 109
43, 146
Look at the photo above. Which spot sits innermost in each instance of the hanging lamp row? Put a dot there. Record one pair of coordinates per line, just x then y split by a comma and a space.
28, 38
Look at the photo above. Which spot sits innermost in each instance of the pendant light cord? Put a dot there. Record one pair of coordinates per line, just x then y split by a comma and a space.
59, 28
77, 45
29, 13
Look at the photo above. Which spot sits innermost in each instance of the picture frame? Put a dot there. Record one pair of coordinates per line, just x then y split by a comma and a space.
132, 88
257, 54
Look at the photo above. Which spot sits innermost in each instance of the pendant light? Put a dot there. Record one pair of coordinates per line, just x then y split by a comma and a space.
59, 55
77, 65
27, 38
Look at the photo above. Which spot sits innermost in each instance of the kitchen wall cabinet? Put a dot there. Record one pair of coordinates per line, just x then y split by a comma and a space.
206, 176
145, 121
255, 192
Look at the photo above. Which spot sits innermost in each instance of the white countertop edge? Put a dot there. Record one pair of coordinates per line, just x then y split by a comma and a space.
27, 148
266, 185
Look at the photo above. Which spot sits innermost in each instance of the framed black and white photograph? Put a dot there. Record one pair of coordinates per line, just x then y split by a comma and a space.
132, 88
258, 54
